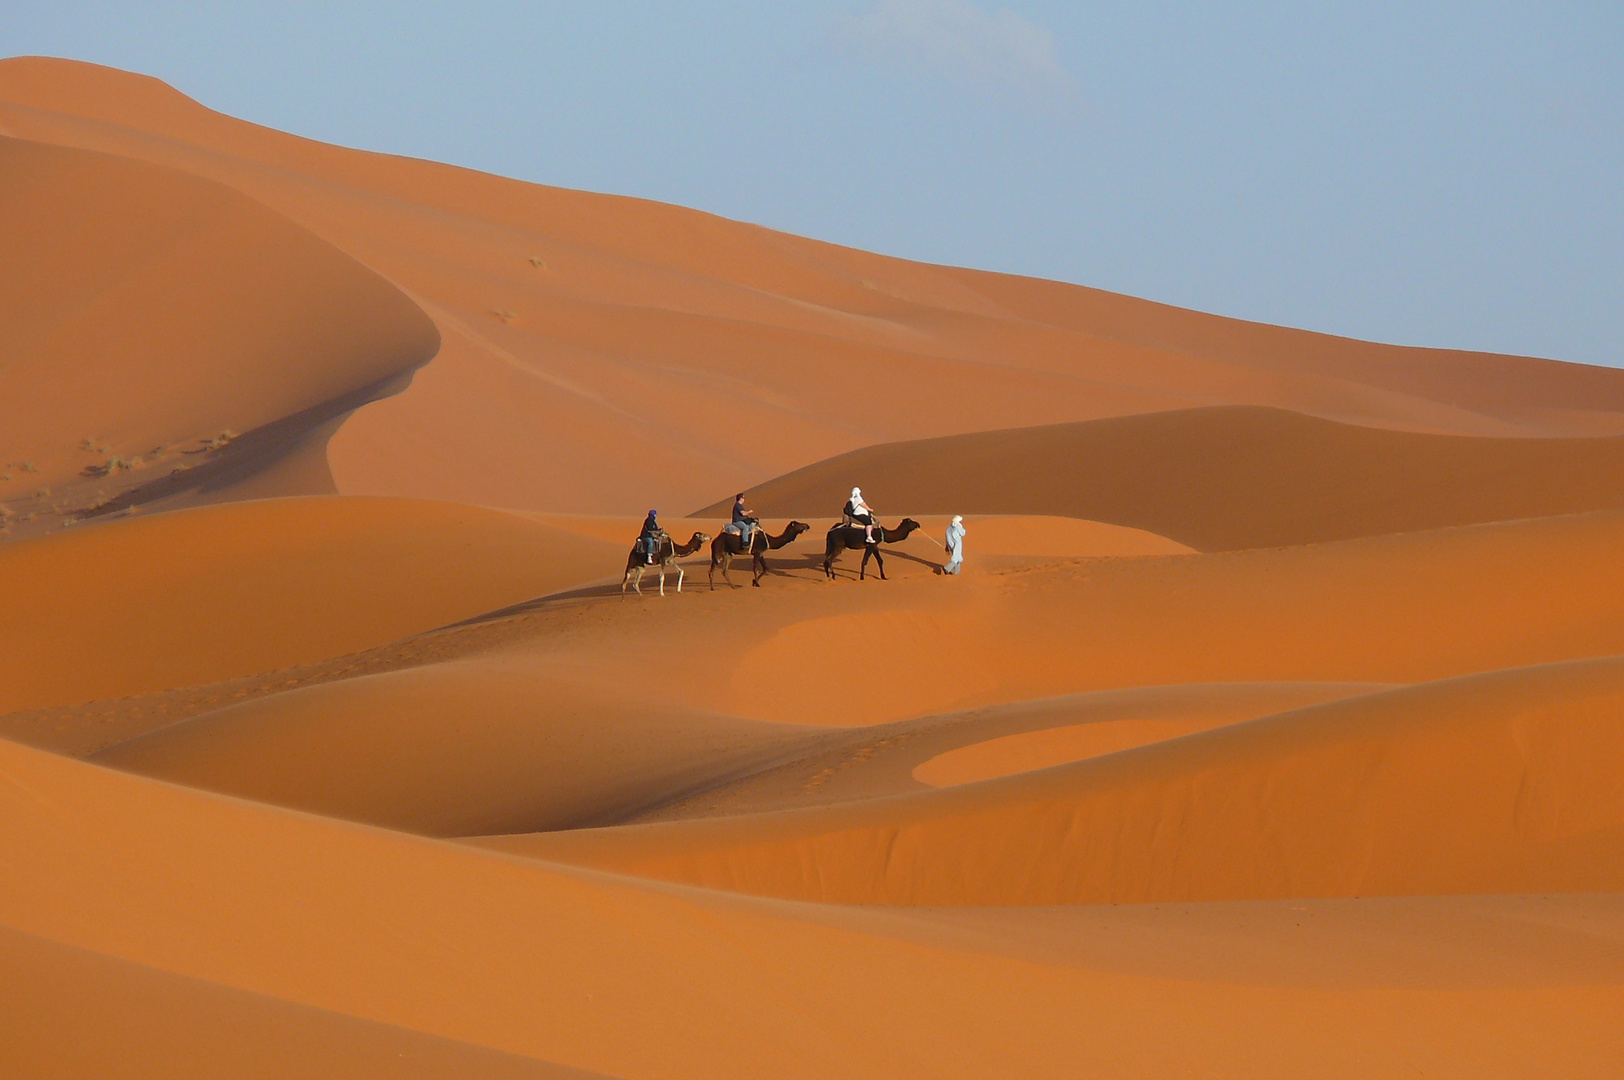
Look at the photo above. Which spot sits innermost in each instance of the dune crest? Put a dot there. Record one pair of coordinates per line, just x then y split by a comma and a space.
1487, 784
647, 331
1221, 478
1272, 728
169, 340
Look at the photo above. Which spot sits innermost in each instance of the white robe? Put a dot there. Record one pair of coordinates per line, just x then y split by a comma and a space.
955, 544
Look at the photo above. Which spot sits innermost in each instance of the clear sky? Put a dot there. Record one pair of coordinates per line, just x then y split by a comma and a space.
1428, 173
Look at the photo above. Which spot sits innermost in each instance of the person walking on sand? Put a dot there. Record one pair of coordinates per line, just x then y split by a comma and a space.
955, 546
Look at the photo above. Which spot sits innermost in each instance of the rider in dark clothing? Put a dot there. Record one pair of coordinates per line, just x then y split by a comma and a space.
649, 538
743, 520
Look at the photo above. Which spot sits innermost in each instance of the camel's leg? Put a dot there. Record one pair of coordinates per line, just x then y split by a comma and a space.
880, 561
679, 579
711, 577
623, 579
637, 582
662, 579
862, 571
727, 558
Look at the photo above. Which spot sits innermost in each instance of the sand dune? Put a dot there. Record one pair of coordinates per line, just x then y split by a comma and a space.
606, 975
1397, 609
1272, 729
199, 595
933, 751
1218, 479
1491, 783
646, 332
491, 745
148, 311
71, 1013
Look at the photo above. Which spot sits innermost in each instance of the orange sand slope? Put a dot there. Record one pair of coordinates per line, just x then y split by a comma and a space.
1219, 478
1494, 783
1272, 728
148, 311
200, 595
618, 977
457, 748
654, 339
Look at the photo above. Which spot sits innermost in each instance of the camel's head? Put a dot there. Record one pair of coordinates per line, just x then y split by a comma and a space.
701, 538
796, 528
908, 525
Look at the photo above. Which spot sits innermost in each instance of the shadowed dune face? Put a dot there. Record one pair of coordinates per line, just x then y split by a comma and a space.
148, 310
1272, 729
488, 746
200, 595
1489, 784
1220, 479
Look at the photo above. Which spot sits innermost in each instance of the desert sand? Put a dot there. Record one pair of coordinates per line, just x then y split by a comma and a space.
1273, 728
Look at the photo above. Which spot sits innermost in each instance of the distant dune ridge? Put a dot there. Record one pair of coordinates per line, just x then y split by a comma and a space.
1273, 728
1219, 478
651, 334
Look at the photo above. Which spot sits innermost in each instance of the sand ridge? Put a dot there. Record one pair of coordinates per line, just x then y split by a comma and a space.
1272, 728
645, 332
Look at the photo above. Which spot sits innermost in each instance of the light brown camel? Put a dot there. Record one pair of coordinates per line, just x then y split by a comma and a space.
729, 544
842, 537
670, 552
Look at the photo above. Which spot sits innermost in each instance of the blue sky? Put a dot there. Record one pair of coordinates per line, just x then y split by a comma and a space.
1446, 174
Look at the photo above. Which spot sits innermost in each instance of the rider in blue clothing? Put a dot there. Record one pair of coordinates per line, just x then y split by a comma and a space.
743, 520
649, 538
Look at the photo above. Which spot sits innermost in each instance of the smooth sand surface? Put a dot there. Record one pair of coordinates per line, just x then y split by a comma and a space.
1272, 729
194, 596
612, 975
1218, 479
71, 1013
1348, 799
474, 746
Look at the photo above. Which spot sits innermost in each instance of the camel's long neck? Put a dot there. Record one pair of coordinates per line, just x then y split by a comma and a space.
689, 548
896, 535
776, 542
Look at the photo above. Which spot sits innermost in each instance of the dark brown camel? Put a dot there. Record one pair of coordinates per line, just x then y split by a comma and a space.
670, 552
729, 544
843, 537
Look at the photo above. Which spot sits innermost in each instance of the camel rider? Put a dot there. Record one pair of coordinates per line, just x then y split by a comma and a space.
858, 512
649, 539
743, 520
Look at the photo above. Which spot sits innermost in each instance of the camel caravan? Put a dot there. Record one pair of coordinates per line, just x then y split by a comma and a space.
744, 535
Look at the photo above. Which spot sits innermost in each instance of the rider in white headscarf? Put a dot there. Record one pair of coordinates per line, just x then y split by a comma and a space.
859, 513
955, 546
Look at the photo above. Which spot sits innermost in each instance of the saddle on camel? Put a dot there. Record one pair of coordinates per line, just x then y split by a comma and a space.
664, 553
728, 544
850, 536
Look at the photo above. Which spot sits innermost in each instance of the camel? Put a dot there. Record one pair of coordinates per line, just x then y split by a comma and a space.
729, 544
670, 552
842, 537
